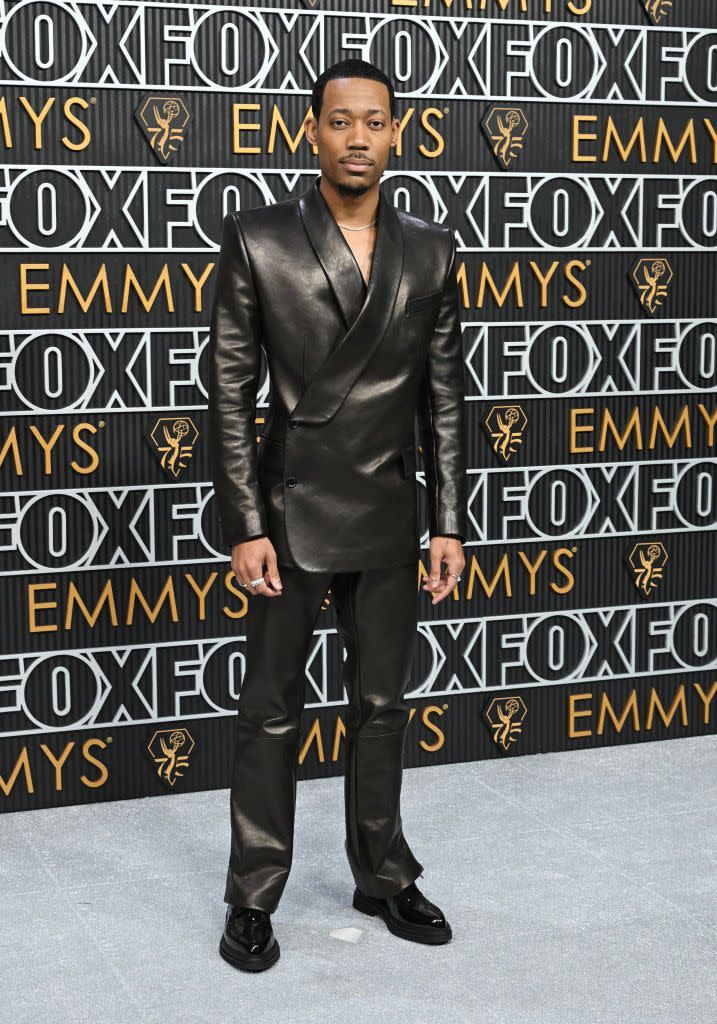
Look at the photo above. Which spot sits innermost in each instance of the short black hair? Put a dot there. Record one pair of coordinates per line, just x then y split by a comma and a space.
350, 68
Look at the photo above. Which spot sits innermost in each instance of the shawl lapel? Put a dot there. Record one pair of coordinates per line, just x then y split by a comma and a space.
365, 319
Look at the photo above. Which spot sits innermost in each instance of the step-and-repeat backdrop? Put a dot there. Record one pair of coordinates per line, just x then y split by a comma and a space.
571, 146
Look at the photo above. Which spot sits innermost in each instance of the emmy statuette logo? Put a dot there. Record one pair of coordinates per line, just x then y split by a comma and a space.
164, 750
505, 128
651, 276
657, 10
505, 425
647, 561
172, 439
505, 717
163, 120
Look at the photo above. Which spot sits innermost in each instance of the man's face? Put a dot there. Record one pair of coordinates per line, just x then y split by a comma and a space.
355, 133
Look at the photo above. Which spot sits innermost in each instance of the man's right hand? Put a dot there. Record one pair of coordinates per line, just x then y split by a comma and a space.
248, 561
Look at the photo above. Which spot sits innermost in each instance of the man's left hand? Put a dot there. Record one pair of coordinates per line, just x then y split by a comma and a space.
448, 550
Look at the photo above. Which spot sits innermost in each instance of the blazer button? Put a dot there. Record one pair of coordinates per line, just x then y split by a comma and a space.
291, 481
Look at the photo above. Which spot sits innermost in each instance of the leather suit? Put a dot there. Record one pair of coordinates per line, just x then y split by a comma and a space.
354, 370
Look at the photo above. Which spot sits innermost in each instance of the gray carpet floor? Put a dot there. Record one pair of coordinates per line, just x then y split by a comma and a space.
581, 888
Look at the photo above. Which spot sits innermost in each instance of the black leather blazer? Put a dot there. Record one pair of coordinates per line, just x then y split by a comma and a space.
353, 371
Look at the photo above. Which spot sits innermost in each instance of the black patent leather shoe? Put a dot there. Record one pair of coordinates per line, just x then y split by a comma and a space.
408, 914
248, 941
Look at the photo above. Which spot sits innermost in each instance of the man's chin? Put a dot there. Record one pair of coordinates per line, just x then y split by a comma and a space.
353, 188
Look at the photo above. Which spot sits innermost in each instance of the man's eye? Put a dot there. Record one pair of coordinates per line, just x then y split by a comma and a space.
337, 124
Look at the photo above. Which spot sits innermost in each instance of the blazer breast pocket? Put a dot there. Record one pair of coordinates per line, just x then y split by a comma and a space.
430, 302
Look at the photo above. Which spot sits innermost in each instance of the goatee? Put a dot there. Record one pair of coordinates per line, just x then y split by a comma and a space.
345, 188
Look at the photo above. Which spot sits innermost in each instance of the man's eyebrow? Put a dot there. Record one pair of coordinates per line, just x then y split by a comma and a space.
347, 110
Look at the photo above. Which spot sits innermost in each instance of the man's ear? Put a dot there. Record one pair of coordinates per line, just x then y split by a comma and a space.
310, 122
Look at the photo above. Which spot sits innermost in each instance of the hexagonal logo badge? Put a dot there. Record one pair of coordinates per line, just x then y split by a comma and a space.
651, 276
504, 717
505, 425
505, 128
164, 120
164, 749
657, 10
647, 561
172, 439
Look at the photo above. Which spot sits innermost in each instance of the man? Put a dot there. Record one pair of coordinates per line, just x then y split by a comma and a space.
355, 305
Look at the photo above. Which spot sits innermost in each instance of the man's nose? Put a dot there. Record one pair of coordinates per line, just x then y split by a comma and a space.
357, 139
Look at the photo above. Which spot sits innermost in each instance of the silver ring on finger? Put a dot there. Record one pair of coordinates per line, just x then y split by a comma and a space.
255, 583
458, 579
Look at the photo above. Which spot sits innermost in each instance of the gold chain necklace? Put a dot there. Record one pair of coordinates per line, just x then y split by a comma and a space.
349, 228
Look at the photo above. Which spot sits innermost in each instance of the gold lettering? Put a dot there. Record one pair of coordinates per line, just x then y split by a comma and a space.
577, 136
277, 123
6, 136
32, 286
682, 424
710, 420
502, 570
77, 431
238, 126
431, 112
71, 102
655, 703
162, 282
37, 119
500, 297
201, 592
58, 763
197, 283
663, 136
578, 428
34, 606
104, 773
624, 151
22, 764
314, 735
706, 699
532, 567
66, 279
713, 135
567, 553
167, 593
47, 446
607, 709
232, 585
339, 734
426, 718
575, 712
544, 279
581, 289
106, 597
633, 424
11, 445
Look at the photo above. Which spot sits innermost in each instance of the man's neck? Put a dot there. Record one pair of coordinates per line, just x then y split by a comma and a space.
353, 210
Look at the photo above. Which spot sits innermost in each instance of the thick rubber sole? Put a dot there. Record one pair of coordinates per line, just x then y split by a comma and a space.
413, 932
248, 961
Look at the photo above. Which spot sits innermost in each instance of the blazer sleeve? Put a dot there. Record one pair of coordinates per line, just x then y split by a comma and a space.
441, 415
233, 381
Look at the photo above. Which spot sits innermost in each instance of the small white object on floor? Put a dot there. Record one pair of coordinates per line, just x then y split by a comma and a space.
346, 934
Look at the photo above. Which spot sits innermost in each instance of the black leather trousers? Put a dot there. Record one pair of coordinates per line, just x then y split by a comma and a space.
376, 614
